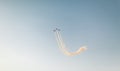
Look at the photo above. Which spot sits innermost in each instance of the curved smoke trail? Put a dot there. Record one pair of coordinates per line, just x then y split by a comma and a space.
63, 47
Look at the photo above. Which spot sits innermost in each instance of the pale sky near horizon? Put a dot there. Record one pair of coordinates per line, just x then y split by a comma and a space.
27, 42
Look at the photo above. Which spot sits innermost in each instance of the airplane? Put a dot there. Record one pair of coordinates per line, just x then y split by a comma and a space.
56, 29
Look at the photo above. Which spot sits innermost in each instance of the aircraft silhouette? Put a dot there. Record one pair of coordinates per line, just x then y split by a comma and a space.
56, 29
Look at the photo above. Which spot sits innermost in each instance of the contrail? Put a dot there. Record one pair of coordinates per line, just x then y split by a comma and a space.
63, 47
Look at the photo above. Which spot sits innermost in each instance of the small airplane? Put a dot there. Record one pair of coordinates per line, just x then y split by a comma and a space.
56, 29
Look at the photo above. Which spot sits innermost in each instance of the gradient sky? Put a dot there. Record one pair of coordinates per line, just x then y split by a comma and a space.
27, 42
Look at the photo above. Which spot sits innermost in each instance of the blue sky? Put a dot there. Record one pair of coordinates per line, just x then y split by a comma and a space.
28, 43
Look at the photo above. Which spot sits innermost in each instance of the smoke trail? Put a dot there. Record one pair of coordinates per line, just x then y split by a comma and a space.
58, 41
63, 47
71, 53
66, 52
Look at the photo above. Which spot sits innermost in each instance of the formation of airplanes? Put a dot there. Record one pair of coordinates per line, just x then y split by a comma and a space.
56, 29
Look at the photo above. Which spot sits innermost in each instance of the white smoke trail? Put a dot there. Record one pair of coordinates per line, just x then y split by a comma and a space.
72, 53
60, 43
63, 47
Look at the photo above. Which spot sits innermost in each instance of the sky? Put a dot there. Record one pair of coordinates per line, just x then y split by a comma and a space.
27, 40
